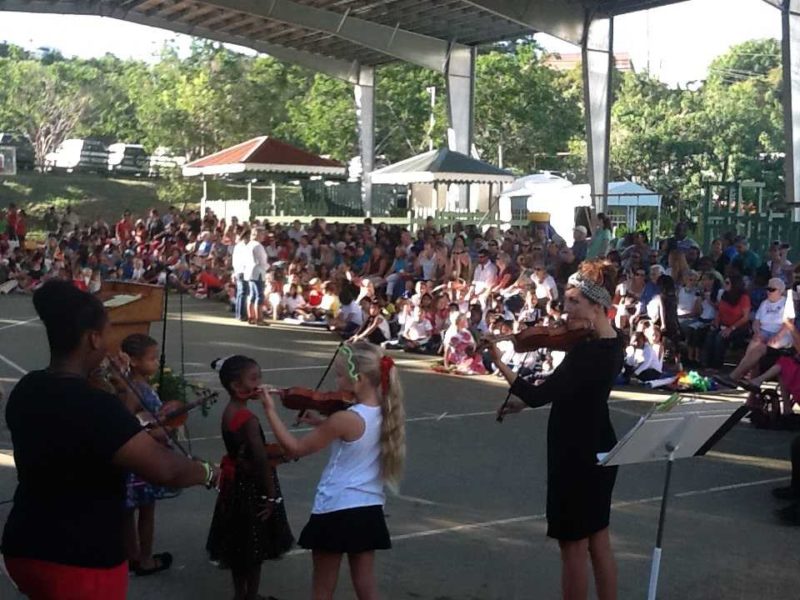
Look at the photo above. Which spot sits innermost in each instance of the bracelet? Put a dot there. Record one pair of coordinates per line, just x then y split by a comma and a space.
209, 474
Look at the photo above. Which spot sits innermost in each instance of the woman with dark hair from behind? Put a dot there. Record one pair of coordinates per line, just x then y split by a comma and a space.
72, 445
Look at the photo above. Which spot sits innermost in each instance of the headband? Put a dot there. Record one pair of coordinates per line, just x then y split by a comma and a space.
386, 368
591, 289
350, 362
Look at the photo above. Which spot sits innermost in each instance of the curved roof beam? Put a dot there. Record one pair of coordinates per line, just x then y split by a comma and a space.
416, 48
564, 19
334, 67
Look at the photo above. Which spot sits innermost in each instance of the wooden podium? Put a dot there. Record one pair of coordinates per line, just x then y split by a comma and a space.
131, 308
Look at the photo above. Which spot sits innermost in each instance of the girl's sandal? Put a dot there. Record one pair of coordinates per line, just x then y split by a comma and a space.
163, 561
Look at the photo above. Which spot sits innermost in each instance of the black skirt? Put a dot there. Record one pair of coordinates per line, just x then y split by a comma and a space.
579, 501
238, 537
347, 531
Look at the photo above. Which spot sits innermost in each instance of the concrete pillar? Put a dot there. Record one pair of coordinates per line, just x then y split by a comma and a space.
365, 114
791, 100
460, 74
598, 61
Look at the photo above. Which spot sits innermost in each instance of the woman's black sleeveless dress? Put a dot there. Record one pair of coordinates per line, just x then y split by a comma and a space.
578, 490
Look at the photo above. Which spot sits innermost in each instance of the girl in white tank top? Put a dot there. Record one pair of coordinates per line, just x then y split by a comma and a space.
367, 450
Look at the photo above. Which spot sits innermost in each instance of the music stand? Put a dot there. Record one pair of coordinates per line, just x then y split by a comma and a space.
676, 428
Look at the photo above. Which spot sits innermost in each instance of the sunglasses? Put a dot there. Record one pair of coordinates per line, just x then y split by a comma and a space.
771, 289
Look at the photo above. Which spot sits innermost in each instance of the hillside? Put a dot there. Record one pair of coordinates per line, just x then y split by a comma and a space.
93, 196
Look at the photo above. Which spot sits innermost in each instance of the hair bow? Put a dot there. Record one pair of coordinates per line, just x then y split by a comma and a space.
386, 366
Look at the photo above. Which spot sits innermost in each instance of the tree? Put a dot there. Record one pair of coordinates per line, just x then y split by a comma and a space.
41, 104
520, 105
324, 120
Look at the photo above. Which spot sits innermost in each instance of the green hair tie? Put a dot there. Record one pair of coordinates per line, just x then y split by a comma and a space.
351, 363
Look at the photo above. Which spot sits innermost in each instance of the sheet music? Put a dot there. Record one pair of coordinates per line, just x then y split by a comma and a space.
121, 300
683, 423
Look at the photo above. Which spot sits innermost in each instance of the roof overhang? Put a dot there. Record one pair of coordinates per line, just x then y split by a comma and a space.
429, 177
239, 168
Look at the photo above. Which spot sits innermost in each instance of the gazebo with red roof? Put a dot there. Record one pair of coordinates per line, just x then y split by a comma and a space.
264, 154
249, 160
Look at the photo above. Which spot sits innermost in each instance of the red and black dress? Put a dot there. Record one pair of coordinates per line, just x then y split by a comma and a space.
238, 537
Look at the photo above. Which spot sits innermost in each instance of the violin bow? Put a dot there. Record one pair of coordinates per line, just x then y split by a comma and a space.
500, 416
503, 406
322, 379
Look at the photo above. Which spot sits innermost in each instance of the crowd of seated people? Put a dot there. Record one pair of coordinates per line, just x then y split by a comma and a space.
427, 291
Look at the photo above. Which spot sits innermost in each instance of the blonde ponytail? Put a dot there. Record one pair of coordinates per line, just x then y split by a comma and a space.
393, 431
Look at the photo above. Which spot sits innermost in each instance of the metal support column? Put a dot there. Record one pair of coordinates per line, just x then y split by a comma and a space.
598, 61
460, 74
365, 114
791, 100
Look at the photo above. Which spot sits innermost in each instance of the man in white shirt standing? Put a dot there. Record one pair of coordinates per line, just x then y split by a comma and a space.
239, 262
255, 273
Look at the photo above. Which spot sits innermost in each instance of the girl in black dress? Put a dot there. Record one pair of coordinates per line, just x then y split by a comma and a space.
578, 490
249, 524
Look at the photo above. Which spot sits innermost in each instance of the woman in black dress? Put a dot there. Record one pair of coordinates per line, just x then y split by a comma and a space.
578, 490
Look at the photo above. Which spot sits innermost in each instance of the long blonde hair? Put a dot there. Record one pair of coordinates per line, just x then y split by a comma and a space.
369, 363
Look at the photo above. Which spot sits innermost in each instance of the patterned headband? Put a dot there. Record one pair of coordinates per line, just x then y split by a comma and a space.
591, 289
350, 362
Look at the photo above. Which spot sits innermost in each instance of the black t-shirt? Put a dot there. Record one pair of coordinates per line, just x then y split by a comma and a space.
69, 503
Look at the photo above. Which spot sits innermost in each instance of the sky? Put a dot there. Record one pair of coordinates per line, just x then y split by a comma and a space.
677, 42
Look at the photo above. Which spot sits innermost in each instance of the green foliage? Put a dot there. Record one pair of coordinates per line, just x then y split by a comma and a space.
671, 140
520, 106
324, 120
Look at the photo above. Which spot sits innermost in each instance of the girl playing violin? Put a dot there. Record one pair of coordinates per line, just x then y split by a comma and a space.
142, 352
367, 450
249, 523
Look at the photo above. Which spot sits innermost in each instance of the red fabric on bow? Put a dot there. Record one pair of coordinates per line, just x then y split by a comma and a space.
386, 366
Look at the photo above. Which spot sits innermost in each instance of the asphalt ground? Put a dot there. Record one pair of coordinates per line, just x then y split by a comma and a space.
469, 521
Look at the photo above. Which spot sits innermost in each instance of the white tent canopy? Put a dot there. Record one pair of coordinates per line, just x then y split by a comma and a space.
546, 192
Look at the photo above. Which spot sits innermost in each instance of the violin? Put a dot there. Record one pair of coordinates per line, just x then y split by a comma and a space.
561, 335
325, 403
175, 413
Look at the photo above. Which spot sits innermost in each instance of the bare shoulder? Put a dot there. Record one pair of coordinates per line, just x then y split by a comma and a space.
347, 424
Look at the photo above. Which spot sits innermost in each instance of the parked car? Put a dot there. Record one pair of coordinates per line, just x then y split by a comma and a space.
78, 155
163, 160
26, 157
128, 159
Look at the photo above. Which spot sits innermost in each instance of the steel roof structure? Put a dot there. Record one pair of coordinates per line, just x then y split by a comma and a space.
330, 28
